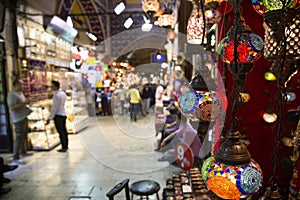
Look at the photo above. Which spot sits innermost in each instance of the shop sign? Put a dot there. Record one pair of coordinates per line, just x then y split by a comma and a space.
184, 156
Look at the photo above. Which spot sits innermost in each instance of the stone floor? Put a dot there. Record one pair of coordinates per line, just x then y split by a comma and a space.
109, 150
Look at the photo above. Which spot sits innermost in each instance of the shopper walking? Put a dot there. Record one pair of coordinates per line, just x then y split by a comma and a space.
135, 98
58, 113
147, 93
19, 111
104, 103
121, 92
90, 100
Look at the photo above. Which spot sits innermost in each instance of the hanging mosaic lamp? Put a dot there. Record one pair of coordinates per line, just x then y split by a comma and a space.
200, 105
201, 102
264, 6
166, 20
150, 7
212, 14
230, 181
232, 174
195, 27
249, 47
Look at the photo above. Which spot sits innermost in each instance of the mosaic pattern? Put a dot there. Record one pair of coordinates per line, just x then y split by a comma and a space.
232, 182
200, 105
249, 179
249, 48
188, 102
263, 6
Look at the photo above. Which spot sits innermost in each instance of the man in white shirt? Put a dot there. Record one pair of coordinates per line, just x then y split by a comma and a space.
59, 115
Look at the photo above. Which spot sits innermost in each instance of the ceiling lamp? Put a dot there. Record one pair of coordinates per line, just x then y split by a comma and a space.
91, 36
69, 21
128, 22
150, 7
212, 14
120, 7
166, 20
195, 27
147, 26
171, 35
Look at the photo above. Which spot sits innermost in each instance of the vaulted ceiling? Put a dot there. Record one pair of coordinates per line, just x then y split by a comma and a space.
97, 17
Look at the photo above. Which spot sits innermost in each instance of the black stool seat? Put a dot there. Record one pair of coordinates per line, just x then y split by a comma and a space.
145, 188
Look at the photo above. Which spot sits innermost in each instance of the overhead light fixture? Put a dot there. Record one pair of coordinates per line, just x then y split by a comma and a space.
150, 7
69, 21
195, 26
158, 56
128, 22
147, 26
91, 36
120, 7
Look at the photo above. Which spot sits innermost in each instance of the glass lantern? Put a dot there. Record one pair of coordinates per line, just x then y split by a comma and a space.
232, 181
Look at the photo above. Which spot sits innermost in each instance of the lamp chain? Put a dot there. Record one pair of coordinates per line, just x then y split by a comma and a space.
279, 69
237, 86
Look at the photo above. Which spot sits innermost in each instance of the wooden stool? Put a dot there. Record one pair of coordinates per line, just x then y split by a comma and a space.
118, 188
144, 188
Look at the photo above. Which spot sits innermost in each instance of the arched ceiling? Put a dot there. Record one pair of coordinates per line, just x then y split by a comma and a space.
97, 17
96, 23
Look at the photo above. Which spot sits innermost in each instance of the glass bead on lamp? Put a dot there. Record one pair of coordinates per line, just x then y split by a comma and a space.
289, 95
269, 76
195, 27
166, 20
270, 116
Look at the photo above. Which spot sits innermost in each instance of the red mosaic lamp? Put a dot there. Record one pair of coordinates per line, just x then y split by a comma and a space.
249, 46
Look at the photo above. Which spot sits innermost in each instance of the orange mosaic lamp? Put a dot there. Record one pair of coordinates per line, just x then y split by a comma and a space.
232, 181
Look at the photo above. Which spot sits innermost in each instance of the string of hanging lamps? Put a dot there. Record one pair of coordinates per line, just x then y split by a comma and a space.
282, 46
231, 173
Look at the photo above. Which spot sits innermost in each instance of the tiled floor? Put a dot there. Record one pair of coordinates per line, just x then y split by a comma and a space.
109, 150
